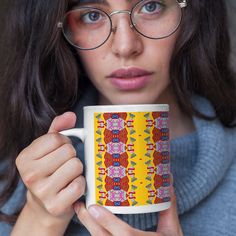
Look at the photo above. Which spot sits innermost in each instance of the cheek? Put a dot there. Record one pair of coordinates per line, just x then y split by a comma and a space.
163, 49
160, 53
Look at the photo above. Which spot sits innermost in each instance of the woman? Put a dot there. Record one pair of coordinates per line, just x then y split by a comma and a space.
116, 52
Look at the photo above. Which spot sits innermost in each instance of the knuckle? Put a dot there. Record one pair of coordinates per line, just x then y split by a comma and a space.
56, 139
82, 181
76, 164
78, 186
53, 208
41, 191
78, 191
70, 150
30, 178
20, 158
18, 161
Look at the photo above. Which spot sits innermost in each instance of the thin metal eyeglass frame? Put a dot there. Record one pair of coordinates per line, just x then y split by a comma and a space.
181, 4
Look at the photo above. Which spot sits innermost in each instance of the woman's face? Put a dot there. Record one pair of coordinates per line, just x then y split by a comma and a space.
129, 68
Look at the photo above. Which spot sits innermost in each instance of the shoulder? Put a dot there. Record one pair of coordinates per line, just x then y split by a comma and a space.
16, 200
220, 141
5, 229
11, 206
227, 135
203, 105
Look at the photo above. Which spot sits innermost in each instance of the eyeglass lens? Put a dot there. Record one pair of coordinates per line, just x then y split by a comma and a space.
88, 28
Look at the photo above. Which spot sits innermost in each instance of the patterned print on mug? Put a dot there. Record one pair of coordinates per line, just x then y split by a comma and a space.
132, 158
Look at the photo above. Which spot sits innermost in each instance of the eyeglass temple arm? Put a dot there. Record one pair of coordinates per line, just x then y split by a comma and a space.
183, 3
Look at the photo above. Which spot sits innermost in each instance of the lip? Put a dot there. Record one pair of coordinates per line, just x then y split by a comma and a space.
130, 78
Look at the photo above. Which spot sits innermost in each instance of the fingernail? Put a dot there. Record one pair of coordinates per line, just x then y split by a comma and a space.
94, 212
67, 113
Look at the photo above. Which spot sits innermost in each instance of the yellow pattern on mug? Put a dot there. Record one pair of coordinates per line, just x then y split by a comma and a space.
132, 158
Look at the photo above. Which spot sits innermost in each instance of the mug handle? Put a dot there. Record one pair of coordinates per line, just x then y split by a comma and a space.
76, 132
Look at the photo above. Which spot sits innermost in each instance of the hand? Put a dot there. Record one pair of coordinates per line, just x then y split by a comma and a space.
52, 174
100, 221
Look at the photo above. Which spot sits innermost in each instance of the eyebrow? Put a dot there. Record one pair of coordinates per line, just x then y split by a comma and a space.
74, 3
92, 1
99, 1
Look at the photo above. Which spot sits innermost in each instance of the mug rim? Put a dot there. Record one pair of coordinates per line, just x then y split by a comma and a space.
128, 108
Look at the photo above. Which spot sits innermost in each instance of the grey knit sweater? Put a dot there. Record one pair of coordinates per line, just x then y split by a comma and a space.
204, 169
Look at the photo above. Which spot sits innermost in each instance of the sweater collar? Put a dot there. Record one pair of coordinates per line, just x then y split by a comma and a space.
208, 161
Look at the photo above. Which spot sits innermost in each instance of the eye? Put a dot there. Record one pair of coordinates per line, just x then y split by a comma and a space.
151, 7
91, 17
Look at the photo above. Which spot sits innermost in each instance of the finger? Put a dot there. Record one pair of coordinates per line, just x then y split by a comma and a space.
49, 186
64, 121
66, 174
51, 141
42, 146
33, 166
69, 195
56, 159
168, 219
110, 222
88, 221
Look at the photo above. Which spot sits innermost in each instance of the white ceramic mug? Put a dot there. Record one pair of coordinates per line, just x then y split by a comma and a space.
127, 161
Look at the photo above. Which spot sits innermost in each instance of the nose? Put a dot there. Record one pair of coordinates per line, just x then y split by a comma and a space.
126, 42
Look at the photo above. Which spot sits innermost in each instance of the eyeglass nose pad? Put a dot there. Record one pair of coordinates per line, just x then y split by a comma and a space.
113, 30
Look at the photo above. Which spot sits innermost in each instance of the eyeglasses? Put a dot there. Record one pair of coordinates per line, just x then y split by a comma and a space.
88, 27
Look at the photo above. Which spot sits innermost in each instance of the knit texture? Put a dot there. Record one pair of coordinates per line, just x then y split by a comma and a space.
199, 163
204, 168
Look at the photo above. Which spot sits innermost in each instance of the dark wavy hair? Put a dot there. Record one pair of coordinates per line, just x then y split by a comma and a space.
40, 68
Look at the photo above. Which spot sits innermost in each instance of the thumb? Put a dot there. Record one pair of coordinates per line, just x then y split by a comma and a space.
64, 121
168, 223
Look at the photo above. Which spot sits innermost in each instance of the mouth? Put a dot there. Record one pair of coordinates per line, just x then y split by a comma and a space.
130, 79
